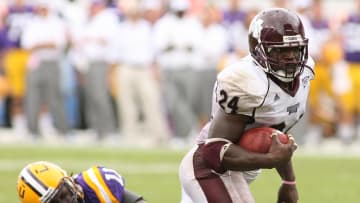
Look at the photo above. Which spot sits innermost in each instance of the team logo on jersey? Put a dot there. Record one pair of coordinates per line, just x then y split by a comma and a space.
293, 108
305, 81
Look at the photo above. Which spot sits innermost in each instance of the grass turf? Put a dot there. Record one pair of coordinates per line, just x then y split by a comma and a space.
153, 173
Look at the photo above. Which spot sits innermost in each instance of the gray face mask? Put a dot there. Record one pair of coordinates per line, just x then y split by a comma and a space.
68, 192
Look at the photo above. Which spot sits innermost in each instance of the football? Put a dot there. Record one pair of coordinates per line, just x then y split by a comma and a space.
259, 139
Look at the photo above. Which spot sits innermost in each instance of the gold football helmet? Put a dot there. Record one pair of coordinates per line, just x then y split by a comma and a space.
39, 182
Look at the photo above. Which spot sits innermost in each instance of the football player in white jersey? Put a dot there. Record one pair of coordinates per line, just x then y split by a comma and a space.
45, 182
269, 87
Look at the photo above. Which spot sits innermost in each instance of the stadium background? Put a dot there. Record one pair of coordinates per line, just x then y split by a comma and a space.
328, 174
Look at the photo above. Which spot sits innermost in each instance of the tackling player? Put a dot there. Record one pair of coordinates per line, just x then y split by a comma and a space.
269, 87
44, 182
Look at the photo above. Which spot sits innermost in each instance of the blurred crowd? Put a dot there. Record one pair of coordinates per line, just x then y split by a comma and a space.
142, 71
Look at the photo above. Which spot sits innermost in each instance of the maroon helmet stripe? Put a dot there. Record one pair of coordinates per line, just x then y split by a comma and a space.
210, 183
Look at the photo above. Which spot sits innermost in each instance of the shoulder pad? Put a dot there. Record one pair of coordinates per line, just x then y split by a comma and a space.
241, 87
310, 63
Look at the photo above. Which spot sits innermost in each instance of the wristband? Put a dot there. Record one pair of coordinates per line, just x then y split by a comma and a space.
286, 182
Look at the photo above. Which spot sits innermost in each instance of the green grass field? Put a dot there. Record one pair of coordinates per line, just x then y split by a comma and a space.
153, 173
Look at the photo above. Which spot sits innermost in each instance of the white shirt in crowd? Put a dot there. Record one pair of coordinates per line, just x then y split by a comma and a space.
182, 34
134, 43
42, 30
93, 42
213, 46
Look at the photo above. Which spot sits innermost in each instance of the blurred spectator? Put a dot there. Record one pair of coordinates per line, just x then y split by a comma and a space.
74, 15
92, 57
321, 98
196, 6
281, 3
139, 92
153, 10
44, 37
177, 41
348, 87
303, 8
212, 47
15, 61
234, 22
4, 45
242, 46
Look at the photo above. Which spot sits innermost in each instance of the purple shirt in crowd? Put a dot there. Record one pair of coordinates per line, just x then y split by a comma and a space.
5, 42
17, 19
231, 16
351, 33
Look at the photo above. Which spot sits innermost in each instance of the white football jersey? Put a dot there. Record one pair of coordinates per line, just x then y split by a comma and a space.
244, 88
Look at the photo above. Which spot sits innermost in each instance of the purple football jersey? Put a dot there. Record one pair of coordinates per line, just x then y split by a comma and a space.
101, 184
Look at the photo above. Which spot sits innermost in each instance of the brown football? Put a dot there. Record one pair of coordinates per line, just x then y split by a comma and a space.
259, 139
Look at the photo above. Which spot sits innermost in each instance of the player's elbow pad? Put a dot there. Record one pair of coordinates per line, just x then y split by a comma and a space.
213, 152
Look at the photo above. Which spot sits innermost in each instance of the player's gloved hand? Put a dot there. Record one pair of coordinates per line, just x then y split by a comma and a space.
287, 194
279, 152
